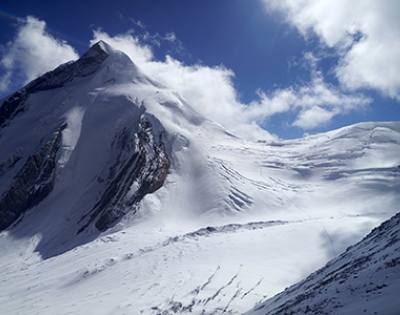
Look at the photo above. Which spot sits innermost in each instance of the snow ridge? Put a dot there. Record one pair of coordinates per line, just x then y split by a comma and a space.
130, 201
362, 280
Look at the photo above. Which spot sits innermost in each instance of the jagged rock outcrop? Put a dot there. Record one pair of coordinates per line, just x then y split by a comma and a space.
84, 66
33, 182
140, 168
12, 106
136, 164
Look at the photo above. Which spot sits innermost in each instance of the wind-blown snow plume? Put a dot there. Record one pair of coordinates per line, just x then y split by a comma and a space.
212, 92
209, 89
129, 200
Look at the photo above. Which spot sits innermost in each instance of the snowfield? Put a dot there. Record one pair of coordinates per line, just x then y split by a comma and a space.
363, 280
234, 222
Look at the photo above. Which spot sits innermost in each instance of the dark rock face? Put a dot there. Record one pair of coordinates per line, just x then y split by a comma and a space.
140, 168
137, 165
86, 65
35, 179
12, 106
33, 182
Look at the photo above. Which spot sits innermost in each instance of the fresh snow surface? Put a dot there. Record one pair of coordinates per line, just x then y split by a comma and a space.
363, 280
235, 223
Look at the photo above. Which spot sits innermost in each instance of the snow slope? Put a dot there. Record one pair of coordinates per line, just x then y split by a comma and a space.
363, 280
233, 221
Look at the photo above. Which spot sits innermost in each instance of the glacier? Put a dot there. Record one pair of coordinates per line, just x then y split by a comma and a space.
118, 197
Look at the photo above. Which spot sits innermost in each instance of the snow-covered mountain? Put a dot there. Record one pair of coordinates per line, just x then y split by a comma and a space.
118, 197
363, 280
75, 148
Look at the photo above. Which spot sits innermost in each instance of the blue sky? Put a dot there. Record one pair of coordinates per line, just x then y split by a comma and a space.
270, 46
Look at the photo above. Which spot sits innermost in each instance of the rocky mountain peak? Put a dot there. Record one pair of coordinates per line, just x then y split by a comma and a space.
99, 48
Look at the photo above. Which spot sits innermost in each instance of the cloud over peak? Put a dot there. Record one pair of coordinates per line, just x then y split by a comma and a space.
210, 90
32, 52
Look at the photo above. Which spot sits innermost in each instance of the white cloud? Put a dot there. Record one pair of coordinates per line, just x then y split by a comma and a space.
211, 91
366, 34
313, 117
315, 102
32, 52
171, 37
5, 81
